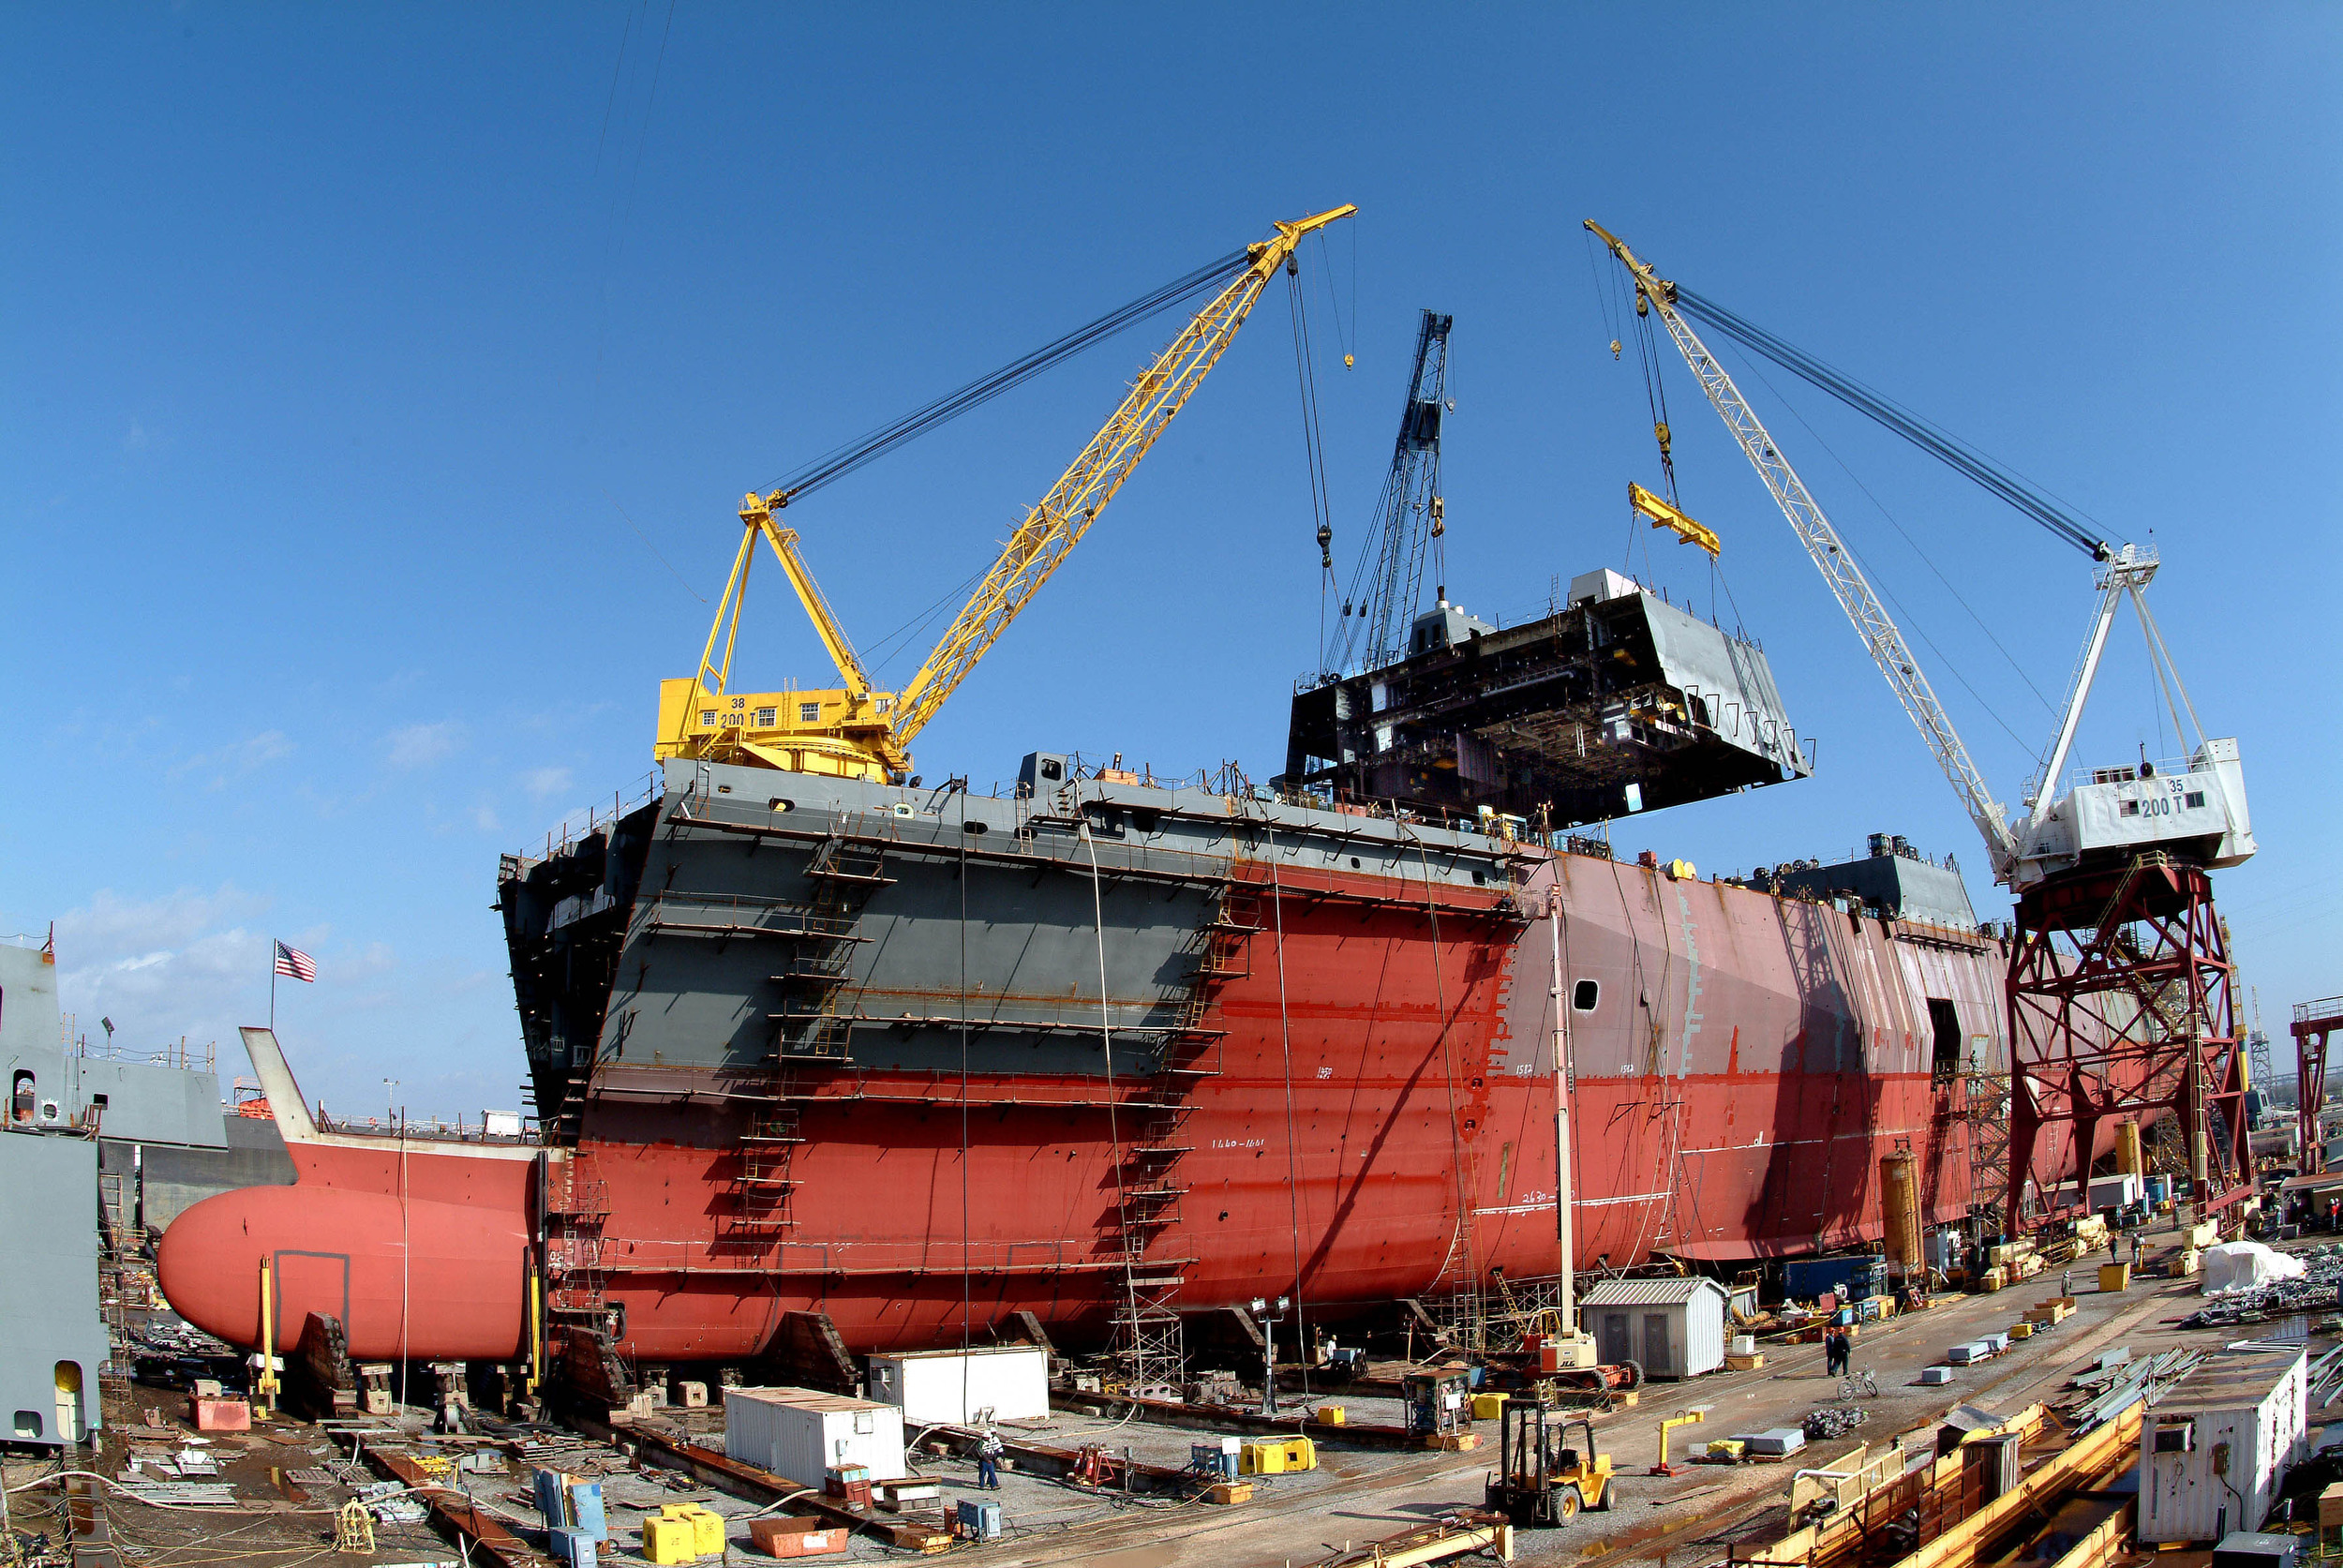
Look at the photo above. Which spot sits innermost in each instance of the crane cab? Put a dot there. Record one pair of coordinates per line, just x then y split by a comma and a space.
2193, 806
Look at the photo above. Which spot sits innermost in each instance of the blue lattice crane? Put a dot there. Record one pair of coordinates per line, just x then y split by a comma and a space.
1387, 587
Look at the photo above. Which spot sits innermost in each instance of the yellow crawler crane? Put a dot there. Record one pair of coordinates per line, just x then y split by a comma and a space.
856, 732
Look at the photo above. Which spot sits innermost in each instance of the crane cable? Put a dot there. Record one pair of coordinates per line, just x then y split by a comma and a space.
1908, 619
1313, 447
843, 460
1992, 476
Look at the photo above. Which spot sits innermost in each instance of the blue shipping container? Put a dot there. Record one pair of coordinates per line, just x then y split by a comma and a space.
1804, 1278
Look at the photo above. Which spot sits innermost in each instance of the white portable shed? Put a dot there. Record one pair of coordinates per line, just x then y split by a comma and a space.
988, 1382
2215, 1449
799, 1433
1674, 1326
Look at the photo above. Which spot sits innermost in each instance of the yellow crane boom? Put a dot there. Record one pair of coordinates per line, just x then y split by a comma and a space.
856, 732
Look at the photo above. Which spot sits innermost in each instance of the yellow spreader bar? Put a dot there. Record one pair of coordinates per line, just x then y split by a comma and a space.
1666, 517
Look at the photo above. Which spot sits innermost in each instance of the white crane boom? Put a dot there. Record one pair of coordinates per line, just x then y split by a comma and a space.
1881, 638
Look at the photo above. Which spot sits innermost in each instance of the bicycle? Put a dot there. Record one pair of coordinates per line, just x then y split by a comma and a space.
1858, 1384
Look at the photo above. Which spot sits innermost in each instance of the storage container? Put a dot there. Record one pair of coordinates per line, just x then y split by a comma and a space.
1806, 1278
1741, 1344
1488, 1407
2215, 1449
1334, 1415
2114, 1277
995, 1382
796, 1537
1934, 1377
802, 1435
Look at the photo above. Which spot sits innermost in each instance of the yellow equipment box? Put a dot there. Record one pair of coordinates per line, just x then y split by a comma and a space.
2114, 1277
1280, 1458
1488, 1407
1726, 1448
708, 1526
2021, 1329
667, 1540
1334, 1415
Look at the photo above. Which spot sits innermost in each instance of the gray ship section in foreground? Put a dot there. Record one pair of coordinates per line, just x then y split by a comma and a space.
749, 921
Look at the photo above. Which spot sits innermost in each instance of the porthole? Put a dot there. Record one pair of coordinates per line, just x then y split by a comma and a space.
777, 803
1584, 995
903, 808
972, 828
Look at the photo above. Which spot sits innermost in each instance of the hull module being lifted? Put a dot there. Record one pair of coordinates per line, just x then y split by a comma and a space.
1101, 1051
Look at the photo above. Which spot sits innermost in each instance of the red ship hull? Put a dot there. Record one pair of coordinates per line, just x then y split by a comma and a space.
1373, 1118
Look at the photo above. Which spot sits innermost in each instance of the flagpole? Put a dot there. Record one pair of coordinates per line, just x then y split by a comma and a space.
272, 987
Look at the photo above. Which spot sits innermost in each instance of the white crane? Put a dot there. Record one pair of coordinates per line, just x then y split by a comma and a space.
2198, 806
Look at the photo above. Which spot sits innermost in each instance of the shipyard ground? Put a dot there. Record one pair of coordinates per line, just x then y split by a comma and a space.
1358, 1496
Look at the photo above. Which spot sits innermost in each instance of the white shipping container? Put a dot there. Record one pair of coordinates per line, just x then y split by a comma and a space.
2120, 1190
2215, 1449
798, 1433
997, 1382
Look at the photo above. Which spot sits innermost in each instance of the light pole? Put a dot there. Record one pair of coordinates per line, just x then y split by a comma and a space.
390, 1098
1268, 1321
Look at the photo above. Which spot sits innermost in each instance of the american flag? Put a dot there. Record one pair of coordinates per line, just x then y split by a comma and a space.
292, 962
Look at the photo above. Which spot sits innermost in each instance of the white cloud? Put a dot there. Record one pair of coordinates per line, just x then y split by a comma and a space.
483, 817
238, 758
136, 440
421, 745
180, 963
542, 782
192, 964
110, 927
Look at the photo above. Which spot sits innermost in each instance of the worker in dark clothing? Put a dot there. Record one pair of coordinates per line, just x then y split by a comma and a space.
989, 1463
1836, 1352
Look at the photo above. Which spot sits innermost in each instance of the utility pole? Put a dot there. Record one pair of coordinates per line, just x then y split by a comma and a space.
1576, 1349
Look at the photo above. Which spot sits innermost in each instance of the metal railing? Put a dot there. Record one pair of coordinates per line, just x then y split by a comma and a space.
579, 824
2325, 1007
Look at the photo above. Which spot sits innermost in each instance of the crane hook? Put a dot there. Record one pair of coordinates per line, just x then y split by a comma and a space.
1325, 543
1615, 348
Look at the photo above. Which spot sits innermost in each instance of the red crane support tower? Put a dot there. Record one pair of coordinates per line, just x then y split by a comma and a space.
2313, 1022
2122, 1004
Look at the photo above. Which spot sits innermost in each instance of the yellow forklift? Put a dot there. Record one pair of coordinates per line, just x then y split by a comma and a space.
1542, 1478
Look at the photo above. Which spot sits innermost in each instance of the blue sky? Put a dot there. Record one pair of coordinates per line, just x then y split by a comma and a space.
377, 385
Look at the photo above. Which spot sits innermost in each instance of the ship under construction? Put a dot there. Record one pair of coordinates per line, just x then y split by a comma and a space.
815, 1042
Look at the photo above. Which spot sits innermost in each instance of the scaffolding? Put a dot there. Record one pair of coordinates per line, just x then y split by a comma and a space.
2122, 1003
